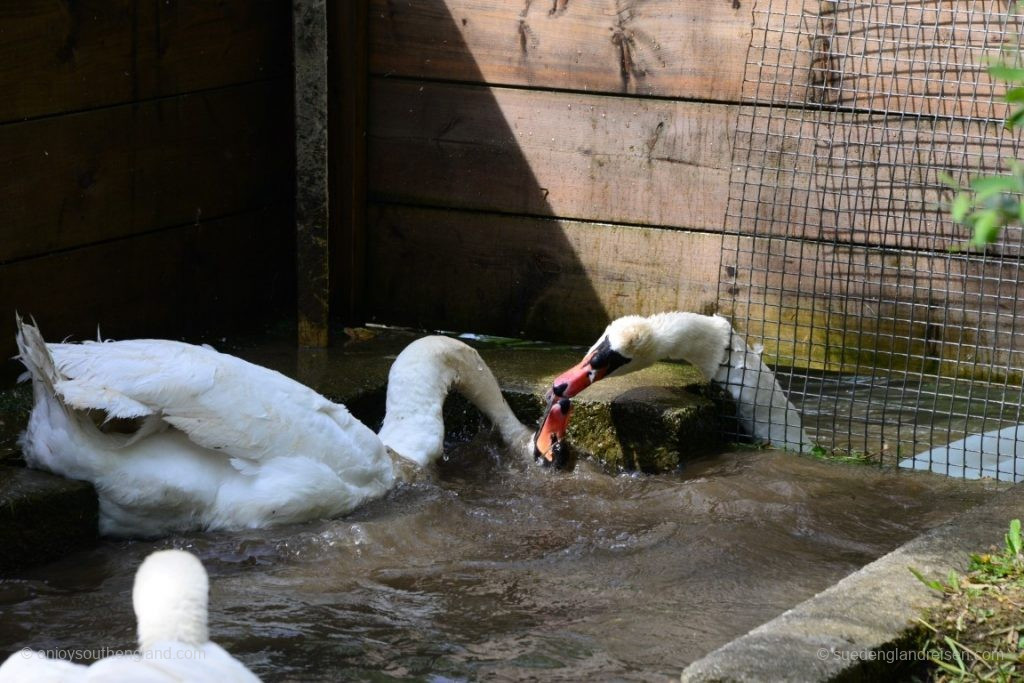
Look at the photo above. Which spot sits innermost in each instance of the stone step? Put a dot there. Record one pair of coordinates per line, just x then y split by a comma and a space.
43, 517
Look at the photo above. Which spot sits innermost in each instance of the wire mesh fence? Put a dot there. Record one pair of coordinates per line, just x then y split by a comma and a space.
841, 259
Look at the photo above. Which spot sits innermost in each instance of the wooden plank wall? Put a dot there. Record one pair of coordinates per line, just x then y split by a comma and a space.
145, 167
539, 167
536, 168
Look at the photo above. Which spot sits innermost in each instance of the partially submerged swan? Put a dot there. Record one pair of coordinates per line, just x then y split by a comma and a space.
170, 599
998, 454
709, 343
178, 437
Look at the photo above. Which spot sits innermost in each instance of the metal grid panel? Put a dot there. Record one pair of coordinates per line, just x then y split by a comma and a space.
839, 257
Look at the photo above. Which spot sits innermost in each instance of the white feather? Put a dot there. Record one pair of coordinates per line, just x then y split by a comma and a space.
225, 444
710, 343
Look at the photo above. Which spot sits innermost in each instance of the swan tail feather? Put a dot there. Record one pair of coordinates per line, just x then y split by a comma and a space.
762, 408
52, 425
38, 362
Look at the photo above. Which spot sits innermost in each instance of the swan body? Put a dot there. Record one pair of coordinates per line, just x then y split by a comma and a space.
170, 600
219, 443
998, 454
707, 342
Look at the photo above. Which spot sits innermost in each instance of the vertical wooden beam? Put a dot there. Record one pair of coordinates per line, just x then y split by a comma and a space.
311, 176
348, 69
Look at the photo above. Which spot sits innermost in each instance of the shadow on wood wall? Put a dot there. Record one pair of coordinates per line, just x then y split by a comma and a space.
536, 168
440, 155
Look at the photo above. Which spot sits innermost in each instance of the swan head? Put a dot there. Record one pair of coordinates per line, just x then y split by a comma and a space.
627, 344
170, 599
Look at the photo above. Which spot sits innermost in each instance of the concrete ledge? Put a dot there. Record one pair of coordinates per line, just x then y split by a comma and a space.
43, 517
855, 629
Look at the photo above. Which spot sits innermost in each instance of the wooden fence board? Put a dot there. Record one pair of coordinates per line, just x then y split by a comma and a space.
218, 276
659, 47
67, 56
601, 158
921, 58
855, 310
72, 180
857, 178
852, 178
347, 111
821, 306
530, 277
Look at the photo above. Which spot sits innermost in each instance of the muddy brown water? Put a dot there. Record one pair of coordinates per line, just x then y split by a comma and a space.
491, 568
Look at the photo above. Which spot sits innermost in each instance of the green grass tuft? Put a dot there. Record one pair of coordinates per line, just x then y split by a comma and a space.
977, 633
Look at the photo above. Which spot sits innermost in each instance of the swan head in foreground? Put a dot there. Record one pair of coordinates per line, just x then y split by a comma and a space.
170, 599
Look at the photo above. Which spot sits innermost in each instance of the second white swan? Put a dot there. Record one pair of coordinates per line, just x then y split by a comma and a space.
710, 344
178, 437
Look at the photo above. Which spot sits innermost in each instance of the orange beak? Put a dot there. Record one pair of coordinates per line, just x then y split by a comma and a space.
577, 378
548, 443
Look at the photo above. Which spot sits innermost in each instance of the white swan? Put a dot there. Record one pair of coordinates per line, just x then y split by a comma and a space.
170, 600
215, 442
709, 343
998, 454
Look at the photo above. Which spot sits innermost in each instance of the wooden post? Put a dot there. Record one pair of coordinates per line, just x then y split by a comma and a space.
311, 178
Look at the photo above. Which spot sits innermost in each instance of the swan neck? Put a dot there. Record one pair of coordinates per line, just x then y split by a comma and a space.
170, 598
701, 340
186, 626
420, 379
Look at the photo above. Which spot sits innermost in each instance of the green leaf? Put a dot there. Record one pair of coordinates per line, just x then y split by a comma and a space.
949, 181
946, 666
1014, 119
931, 583
988, 186
1015, 94
1004, 72
961, 205
954, 647
986, 228
1013, 540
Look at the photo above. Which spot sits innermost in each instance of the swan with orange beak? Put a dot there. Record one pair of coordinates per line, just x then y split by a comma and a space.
709, 343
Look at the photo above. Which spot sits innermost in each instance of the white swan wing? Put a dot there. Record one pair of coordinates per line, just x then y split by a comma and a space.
28, 665
221, 402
